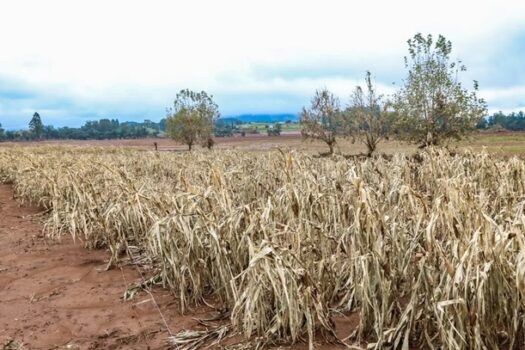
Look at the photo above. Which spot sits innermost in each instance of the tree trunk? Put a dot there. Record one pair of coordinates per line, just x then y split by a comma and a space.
331, 145
370, 148
189, 146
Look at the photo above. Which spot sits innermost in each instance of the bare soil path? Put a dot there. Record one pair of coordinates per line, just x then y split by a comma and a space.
53, 294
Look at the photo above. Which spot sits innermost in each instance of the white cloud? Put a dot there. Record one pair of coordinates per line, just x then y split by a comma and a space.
507, 99
134, 55
514, 92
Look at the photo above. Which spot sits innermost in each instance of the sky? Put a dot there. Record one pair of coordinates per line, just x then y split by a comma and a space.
74, 61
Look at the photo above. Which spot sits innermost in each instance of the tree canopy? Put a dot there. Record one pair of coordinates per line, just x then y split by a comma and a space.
323, 120
36, 126
432, 106
368, 117
514, 121
192, 118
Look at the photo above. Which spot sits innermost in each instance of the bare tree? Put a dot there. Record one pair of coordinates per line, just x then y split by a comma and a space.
368, 117
324, 120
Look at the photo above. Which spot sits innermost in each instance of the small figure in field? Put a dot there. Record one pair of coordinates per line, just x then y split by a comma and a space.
156, 146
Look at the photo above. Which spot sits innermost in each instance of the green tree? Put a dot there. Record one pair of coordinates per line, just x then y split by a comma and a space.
432, 106
192, 118
184, 126
2, 133
482, 123
513, 121
368, 119
49, 132
36, 126
324, 120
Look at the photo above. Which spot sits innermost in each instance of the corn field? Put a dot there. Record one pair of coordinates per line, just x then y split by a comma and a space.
428, 250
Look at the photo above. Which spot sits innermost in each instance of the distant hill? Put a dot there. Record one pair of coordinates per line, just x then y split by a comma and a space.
265, 118
229, 121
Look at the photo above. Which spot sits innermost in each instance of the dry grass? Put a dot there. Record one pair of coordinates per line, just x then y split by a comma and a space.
12, 345
429, 249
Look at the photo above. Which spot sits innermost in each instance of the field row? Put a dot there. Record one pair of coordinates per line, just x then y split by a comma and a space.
428, 250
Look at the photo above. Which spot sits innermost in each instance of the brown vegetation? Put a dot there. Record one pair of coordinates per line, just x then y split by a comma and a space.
427, 250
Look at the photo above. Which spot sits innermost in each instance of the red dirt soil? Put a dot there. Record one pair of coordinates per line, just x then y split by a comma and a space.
250, 142
56, 294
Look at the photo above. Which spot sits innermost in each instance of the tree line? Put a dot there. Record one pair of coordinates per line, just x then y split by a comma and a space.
498, 121
102, 129
105, 129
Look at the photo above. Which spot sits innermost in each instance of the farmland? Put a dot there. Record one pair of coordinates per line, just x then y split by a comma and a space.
503, 143
416, 249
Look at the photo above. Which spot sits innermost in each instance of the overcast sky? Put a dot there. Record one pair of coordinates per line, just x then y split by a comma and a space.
74, 61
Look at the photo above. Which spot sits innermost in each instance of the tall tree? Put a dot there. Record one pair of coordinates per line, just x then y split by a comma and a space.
324, 120
2, 133
432, 106
192, 118
36, 126
368, 116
